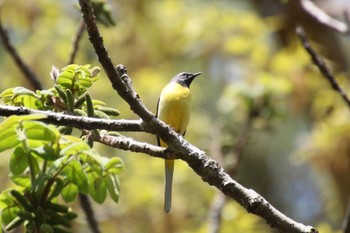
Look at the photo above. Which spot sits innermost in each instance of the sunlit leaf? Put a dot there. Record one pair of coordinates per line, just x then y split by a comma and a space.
40, 131
114, 165
69, 192
18, 161
6, 199
46, 152
22, 180
8, 138
112, 186
97, 188
75, 148
76, 175
23, 91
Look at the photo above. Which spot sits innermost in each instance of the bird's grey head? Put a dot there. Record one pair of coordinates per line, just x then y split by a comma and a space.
184, 78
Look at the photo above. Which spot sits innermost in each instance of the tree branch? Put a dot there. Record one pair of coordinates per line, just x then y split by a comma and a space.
76, 121
209, 170
89, 213
321, 65
346, 219
76, 40
324, 18
26, 71
129, 144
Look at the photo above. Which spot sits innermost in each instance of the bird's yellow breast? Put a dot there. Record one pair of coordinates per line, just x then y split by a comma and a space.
175, 106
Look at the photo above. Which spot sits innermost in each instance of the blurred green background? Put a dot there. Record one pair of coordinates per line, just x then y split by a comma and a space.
260, 107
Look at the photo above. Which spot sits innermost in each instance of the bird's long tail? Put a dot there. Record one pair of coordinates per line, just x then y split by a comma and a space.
169, 171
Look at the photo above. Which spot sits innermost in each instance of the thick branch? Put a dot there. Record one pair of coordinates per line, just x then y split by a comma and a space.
115, 77
27, 72
209, 170
324, 18
76, 121
321, 65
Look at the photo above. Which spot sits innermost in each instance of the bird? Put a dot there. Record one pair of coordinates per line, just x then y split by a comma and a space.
174, 108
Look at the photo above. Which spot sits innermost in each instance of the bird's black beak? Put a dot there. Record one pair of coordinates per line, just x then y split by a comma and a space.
190, 78
196, 74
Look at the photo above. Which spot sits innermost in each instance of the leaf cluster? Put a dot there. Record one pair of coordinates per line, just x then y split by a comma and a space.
46, 162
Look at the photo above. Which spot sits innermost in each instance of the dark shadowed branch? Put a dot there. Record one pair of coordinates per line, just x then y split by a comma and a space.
346, 220
89, 213
321, 65
26, 71
208, 169
76, 40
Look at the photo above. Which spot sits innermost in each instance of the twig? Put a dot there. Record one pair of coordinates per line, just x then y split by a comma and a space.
89, 213
209, 170
125, 143
76, 40
89, 123
321, 65
346, 220
324, 18
27, 72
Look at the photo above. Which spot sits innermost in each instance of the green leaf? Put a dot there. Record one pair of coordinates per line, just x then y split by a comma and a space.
112, 182
8, 214
46, 152
69, 192
76, 175
66, 77
40, 131
18, 161
35, 164
22, 180
17, 91
108, 111
19, 96
8, 130
8, 139
97, 188
114, 165
40, 182
89, 105
6, 199
8, 134
56, 188
75, 148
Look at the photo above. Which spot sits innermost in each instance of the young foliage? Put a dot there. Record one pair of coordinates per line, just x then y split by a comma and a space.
69, 94
45, 164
